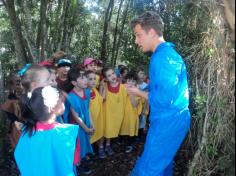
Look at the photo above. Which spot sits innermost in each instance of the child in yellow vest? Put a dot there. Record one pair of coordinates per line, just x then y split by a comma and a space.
114, 107
96, 110
133, 109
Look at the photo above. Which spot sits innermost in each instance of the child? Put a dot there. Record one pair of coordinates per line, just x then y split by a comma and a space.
36, 76
142, 85
46, 147
33, 76
133, 109
141, 80
79, 99
11, 108
91, 64
96, 109
63, 67
123, 73
114, 107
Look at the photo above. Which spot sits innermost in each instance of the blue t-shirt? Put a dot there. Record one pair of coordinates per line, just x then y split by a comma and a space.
48, 152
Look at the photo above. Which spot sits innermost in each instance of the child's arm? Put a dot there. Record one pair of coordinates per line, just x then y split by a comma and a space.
91, 122
80, 122
134, 101
103, 89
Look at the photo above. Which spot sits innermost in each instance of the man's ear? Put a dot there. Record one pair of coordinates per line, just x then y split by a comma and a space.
152, 32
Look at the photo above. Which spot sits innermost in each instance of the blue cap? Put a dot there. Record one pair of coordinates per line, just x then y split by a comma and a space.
64, 63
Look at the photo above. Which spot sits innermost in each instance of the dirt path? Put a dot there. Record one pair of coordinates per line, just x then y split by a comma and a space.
118, 165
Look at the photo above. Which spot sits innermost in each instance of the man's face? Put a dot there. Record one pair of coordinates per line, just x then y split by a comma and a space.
143, 38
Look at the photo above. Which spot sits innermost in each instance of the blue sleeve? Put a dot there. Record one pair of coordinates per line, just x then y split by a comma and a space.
88, 94
67, 111
70, 103
163, 88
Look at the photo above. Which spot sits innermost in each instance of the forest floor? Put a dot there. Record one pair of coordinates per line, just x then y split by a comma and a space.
120, 164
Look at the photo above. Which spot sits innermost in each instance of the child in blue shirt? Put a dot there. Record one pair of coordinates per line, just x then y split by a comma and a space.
78, 100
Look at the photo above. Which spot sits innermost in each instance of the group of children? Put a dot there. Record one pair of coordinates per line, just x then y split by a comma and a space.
64, 110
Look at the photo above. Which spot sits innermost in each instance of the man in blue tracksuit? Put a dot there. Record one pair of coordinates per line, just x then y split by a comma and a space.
168, 98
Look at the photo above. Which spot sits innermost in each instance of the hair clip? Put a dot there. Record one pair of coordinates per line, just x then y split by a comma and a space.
23, 70
50, 96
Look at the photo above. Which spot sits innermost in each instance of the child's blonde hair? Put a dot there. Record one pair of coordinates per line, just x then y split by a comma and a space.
32, 75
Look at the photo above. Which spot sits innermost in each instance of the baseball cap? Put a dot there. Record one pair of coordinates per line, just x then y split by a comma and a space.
89, 61
64, 63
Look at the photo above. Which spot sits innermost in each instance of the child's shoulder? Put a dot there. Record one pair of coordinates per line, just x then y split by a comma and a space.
123, 86
67, 127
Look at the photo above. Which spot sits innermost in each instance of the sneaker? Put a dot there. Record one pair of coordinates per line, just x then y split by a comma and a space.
129, 149
109, 150
101, 153
84, 170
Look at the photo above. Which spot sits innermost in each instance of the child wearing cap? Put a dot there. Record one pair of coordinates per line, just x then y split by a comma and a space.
91, 64
63, 67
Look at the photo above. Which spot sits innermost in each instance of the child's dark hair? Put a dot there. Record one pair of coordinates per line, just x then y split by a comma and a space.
140, 69
89, 72
105, 70
75, 73
37, 111
123, 69
132, 76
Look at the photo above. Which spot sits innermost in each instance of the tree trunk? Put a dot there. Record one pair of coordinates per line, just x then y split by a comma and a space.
20, 48
115, 34
61, 26
56, 31
75, 12
42, 29
230, 16
121, 31
106, 24
27, 29
2, 123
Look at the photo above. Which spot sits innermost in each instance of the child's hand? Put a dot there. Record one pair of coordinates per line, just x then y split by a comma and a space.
90, 131
103, 83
